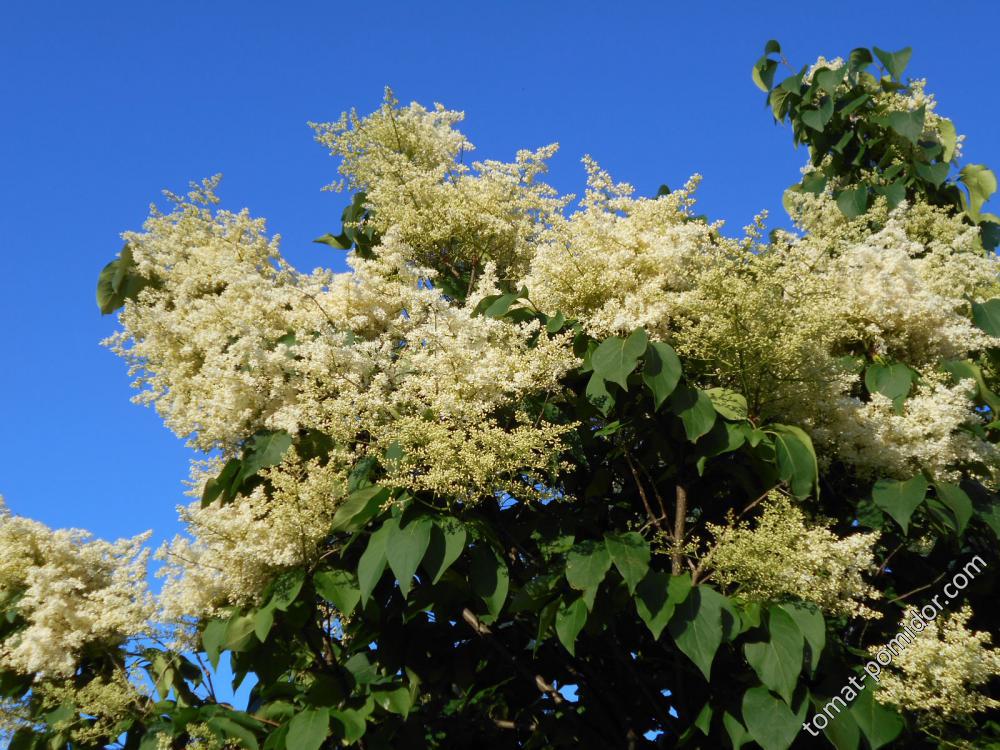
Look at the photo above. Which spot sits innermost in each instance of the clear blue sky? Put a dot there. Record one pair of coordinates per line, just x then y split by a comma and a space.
105, 104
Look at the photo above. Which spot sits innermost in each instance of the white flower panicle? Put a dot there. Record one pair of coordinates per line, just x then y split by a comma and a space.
940, 675
783, 556
408, 160
72, 594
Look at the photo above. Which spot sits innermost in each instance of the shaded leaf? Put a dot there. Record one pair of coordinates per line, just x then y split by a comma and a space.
630, 555
587, 564
339, 587
308, 729
405, 548
696, 627
360, 507
570, 619
373, 560
900, 499
695, 409
489, 578
770, 722
615, 358
729, 404
957, 501
448, 538
894, 62
656, 597
661, 371
879, 725
809, 618
778, 660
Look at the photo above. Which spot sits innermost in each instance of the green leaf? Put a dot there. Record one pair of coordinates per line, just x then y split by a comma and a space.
630, 554
853, 202
555, 323
987, 316
339, 587
895, 62
615, 359
265, 449
796, 459
499, 307
842, 730
879, 725
948, 137
737, 733
729, 404
809, 618
359, 508
696, 628
263, 620
448, 538
892, 381
656, 597
988, 511
829, 79
860, 58
570, 620
286, 587
397, 700
340, 241
778, 661
118, 282
223, 484
587, 564
908, 124
489, 578
661, 371
933, 173
373, 560
405, 548
352, 721
770, 722
231, 730
695, 409
597, 394
763, 72
308, 729
239, 630
894, 192
957, 501
814, 119
213, 638
981, 183
900, 499
966, 370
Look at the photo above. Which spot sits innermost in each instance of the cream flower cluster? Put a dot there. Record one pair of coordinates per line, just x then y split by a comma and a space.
408, 160
928, 435
73, 594
232, 552
786, 557
940, 674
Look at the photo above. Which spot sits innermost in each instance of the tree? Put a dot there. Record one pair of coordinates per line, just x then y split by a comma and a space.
536, 477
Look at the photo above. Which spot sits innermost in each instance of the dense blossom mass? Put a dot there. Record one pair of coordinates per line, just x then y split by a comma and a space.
399, 362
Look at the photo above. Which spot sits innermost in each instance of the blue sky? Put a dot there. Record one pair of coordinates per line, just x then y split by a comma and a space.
105, 104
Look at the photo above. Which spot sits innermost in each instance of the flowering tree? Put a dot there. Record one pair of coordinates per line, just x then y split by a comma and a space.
545, 474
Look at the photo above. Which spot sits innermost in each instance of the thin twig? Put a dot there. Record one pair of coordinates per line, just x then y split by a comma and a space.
653, 518
917, 590
484, 632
